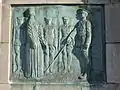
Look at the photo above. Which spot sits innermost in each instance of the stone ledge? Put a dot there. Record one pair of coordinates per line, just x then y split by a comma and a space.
4, 87
65, 87
98, 1
55, 1
41, 1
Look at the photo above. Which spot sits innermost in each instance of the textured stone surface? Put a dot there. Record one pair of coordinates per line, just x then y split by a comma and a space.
66, 1
47, 87
117, 87
4, 87
0, 17
112, 22
29, 87
86, 88
4, 63
5, 28
114, 1
24, 1
113, 62
107, 87
58, 87
40, 1
17, 87
55, 1
98, 1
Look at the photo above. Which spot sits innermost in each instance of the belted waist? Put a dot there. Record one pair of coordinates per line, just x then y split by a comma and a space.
81, 34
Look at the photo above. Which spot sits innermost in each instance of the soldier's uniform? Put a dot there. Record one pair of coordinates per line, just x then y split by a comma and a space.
17, 45
82, 43
50, 41
66, 53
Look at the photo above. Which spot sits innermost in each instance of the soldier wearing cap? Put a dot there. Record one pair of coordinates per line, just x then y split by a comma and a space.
64, 30
82, 40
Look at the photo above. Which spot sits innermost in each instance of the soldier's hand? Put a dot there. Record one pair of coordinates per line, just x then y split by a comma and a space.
68, 40
55, 47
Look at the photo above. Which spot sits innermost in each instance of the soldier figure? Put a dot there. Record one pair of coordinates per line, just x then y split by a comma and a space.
49, 33
64, 30
17, 45
82, 40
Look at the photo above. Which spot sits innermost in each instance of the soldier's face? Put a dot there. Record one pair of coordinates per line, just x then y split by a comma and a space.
19, 21
81, 16
65, 21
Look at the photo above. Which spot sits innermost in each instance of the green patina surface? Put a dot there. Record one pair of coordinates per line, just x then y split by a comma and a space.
58, 44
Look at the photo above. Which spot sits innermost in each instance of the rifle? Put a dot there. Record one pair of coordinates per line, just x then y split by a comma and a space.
64, 43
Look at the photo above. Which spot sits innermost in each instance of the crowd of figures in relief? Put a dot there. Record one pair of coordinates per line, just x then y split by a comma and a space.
40, 50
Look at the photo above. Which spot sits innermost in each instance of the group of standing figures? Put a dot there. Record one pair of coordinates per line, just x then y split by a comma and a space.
35, 46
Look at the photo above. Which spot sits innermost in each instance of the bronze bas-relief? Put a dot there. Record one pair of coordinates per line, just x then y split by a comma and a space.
48, 47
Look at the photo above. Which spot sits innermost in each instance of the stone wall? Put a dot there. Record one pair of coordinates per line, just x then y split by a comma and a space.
112, 20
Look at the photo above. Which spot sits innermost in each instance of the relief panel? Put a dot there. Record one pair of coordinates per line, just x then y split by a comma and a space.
58, 43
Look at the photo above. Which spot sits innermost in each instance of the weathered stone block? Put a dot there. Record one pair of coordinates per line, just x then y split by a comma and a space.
98, 1
66, 88
90, 87
4, 54
112, 62
5, 28
0, 18
4, 87
117, 87
112, 21
66, 1
23, 2
107, 87
29, 87
17, 87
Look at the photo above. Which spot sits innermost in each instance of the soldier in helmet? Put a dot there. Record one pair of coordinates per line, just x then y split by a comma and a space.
82, 40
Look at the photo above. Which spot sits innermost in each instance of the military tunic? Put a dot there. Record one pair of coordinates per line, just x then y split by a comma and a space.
82, 43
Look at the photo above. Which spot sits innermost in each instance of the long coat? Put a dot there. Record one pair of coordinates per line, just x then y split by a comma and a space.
35, 53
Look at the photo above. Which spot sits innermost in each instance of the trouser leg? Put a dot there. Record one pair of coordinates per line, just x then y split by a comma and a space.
51, 63
64, 58
69, 57
46, 60
84, 62
17, 58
